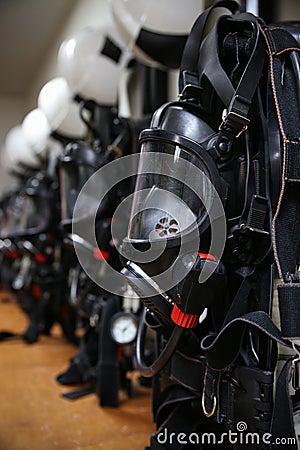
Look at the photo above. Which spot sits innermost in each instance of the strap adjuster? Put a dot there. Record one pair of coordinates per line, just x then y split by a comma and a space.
191, 88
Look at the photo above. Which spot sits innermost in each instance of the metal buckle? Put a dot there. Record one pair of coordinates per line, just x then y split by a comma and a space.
213, 410
235, 118
191, 85
189, 91
214, 398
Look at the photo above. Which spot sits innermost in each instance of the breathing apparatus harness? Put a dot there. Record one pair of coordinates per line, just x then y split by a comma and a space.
218, 355
98, 360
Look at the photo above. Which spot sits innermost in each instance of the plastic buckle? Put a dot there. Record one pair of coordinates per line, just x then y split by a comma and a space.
191, 86
257, 215
233, 121
190, 91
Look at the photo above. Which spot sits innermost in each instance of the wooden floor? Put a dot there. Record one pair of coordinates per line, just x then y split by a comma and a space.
34, 416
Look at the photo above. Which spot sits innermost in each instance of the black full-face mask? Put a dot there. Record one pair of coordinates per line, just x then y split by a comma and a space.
10, 214
76, 166
32, 210
179, 196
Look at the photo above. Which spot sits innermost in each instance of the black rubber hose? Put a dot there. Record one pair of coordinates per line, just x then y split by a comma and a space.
165, 355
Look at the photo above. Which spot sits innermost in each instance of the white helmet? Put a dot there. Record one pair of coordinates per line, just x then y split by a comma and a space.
92, 62
157, 30
56, 101
17, 150
36, 130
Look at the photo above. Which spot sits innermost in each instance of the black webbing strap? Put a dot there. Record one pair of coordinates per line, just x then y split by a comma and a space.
170, 399
282, 422
107, 372
222, 349
289, 307
246, 394
187, 371
231, 336
237, 100
285, 83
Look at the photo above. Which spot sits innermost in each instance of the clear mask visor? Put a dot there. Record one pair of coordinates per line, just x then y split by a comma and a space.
166, 203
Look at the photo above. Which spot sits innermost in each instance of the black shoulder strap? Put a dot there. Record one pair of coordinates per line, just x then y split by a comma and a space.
222, 349
237, 100
201, 59
282, 425
284, 55
190, 54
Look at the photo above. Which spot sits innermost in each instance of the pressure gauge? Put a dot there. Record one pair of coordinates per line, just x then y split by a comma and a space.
123, 327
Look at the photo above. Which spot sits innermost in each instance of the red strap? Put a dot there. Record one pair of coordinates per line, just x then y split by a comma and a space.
183, 319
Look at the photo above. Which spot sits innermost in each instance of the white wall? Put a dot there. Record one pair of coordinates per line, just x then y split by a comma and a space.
14, 109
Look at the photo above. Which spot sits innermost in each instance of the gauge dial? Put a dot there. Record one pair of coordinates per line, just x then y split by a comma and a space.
124, 327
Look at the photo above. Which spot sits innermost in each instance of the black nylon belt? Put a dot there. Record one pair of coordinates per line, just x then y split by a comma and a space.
289, 307
282, 422
231, 335
190, 54
187, 371
292, 167
107, 372
284, 69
